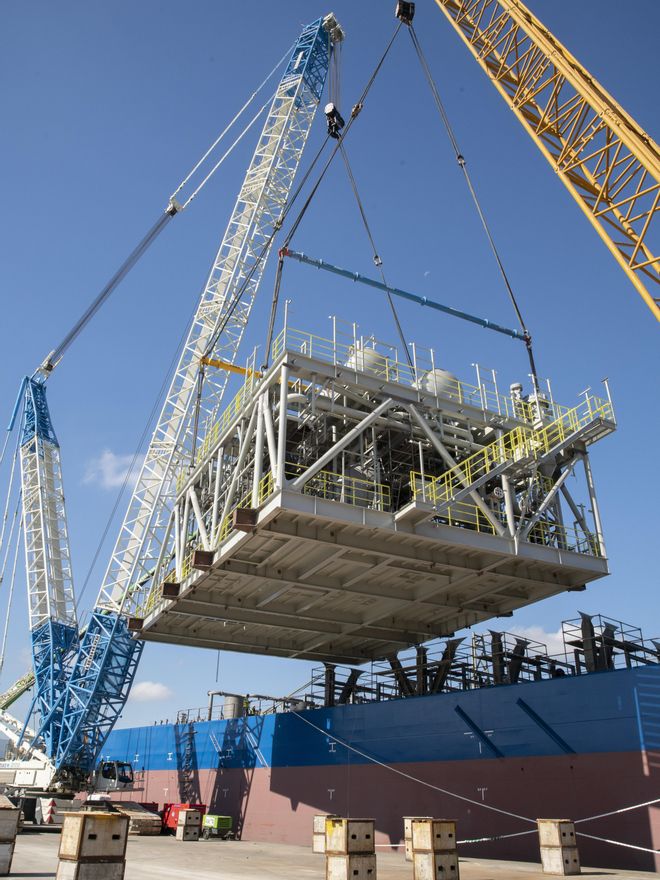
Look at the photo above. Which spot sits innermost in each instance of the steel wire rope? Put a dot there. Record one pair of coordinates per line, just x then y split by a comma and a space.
460, 158
5, 512
357, 108
4, 446
11, 595
9, 540
227, 152
231, 123
376, 256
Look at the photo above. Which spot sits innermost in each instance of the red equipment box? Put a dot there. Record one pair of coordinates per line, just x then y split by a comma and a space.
170, 813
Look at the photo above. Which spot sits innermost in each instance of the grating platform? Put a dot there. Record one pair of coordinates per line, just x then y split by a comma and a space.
347, 506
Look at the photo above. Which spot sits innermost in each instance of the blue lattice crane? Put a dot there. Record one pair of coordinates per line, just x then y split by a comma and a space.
83, 679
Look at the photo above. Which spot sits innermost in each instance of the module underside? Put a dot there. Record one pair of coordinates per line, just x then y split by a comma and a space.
347, 506
324, 581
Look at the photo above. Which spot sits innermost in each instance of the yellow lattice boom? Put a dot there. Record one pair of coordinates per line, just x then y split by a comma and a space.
608, 163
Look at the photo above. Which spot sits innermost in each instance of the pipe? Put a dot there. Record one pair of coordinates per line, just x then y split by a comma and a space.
321, 462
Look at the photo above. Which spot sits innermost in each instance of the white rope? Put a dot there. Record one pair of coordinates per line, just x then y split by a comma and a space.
497, 837
9, 599
460, 797
11, 532
484, 805
9, 488
230, 124
618, 843
4, 446
616, 812
227, 152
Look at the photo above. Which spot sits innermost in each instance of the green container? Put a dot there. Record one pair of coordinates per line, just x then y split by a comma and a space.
218, 823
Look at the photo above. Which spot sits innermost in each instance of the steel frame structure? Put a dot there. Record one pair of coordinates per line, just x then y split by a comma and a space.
607, 162
51, 604
348, 505
104, 668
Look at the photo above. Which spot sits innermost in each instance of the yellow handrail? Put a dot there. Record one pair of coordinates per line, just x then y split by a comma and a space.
517, 445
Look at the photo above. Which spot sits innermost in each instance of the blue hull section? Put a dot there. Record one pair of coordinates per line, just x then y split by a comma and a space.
602, 712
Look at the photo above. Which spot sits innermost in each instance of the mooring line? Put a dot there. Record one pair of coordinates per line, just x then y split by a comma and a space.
453, 794
485, 806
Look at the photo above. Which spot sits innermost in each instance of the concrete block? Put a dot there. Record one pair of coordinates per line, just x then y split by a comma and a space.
187, 832
6, 855
189, 817
318, 843
350, 867
67, 870
556, 832
435, 866
345, 836
563, 861
94, 837
433, 835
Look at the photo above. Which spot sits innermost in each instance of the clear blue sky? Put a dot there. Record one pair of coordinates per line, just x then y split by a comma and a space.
104, 108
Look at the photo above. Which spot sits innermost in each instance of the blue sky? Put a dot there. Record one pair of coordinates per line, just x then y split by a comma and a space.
106, 106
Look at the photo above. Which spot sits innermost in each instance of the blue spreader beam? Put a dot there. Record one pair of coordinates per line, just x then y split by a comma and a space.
404, 294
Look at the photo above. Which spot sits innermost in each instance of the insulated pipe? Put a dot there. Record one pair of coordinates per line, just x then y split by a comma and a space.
386, 421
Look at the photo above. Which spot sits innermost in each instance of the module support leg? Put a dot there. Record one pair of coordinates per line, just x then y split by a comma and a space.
594, 503
280, 478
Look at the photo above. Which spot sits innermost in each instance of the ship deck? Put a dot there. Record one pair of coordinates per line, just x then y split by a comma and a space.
164, 858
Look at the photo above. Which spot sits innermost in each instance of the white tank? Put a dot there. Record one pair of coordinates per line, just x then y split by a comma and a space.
439, 382
233, 707
368, 360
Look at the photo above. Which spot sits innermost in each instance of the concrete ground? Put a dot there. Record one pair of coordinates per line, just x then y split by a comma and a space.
165, 857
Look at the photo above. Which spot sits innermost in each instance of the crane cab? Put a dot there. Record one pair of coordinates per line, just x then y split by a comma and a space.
113, 776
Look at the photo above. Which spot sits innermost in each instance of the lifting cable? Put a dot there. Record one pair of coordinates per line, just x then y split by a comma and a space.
460, 158
340, 138
376, 257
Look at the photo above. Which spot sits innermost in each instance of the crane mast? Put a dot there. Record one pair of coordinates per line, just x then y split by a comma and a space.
608, 163
52, 611
105, 665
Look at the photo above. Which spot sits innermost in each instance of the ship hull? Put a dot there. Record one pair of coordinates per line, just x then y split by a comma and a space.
495, 759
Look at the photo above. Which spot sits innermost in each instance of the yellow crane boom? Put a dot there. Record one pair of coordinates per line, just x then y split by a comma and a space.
608, 163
